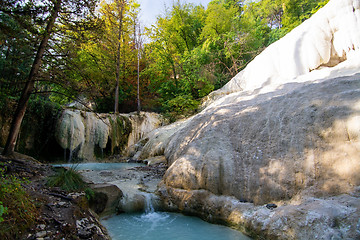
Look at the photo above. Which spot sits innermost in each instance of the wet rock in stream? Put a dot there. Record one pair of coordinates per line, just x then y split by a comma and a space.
125, 188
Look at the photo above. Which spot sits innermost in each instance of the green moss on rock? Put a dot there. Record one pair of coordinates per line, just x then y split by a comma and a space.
120, 129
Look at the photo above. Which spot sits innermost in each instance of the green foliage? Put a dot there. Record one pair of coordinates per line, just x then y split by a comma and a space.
276, 18
95, 57
16, 55
195, 51
179, 106
275, 35
67, 179
196, 81
89, 193
3, 211
104, 104
319, 5
22, 27
192, 51
220, 19
38, 126
17, 210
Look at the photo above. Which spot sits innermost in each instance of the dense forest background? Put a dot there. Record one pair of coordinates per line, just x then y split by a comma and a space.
99, 53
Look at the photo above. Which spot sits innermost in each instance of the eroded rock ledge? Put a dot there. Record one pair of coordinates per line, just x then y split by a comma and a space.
301, 218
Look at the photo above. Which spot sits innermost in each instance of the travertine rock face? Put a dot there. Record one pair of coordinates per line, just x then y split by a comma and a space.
142, 125
287, 127
272, 146
85, 131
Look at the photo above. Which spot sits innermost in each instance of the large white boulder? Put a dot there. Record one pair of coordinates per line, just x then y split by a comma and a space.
272, 146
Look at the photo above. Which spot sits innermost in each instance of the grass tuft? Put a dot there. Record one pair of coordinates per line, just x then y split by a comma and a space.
67, 179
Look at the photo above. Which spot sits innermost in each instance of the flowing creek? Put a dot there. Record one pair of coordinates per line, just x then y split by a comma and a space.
99, 166
147, 224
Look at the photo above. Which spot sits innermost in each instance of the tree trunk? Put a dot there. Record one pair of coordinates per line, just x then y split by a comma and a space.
29, 86
174, 72
138, 84
116, 107
137, 47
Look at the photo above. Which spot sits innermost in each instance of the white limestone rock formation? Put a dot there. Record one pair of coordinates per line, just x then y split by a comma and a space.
271, 147
84, 131
142, 125
70, 130
284, 130
328, 38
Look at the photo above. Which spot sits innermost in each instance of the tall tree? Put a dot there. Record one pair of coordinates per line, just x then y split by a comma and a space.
25, 96
107, 58
50, 11
137, 48
120, 4
118, 18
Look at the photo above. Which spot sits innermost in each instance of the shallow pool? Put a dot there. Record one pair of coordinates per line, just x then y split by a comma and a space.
99, 166
166, 226
153, 225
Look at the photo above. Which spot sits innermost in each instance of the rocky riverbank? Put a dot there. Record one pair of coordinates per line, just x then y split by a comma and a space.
59, 214
126, 190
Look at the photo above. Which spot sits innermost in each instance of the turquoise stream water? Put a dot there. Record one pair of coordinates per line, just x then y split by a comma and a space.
166, 226
99, 166
152, 225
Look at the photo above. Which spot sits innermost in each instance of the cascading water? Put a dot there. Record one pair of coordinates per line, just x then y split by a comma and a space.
154, 225
148, 205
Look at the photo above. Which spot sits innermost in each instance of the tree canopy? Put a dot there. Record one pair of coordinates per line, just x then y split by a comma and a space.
93, 52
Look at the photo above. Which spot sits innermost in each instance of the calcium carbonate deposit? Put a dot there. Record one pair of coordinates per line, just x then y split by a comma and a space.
83, 131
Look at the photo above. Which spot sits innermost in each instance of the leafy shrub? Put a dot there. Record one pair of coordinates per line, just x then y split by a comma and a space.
89, 193
17, 210
3, 210
180, 105
67, 179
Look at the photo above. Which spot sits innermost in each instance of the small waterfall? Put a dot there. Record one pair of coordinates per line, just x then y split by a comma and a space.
148, 204
137, 201
150, 217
